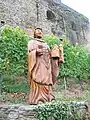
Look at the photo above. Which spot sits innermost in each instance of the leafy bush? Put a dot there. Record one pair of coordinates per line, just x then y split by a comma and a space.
13, 54
76, 62
13, 50
77, 59
52, 40
60, 111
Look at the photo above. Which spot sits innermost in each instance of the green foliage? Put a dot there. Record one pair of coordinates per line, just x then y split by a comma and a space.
52, 40
13, 50
76, 62
20, 87
59, 111
77, 59
13, 54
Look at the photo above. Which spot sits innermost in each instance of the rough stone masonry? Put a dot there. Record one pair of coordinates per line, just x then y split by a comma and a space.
52, 15
27, 112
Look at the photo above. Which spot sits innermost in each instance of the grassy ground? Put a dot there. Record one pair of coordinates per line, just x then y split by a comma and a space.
16, 90
72, 90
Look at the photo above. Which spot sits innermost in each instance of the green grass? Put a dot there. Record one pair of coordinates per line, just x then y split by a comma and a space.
11, 84
17, 88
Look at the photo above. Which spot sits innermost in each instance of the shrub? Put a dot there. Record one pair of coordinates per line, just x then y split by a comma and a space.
13, 50
51, 40
60, 111
13, 54
77, 59
76, 63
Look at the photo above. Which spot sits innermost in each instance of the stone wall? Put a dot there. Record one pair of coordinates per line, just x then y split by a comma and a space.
26, 112
17, 112
51, 15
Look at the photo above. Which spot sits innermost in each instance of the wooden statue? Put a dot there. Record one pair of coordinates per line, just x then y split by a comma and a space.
41, 71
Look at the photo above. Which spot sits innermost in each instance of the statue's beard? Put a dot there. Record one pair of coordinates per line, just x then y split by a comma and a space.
39, 37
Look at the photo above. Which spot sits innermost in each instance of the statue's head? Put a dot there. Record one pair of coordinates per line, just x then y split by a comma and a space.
38, 33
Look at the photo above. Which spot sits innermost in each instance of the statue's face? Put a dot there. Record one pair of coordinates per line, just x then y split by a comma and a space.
38, 33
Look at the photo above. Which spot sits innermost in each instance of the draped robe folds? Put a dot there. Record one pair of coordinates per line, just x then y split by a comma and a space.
41, 74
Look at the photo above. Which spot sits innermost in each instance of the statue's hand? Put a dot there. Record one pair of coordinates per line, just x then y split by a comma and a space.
61, 60
39, 52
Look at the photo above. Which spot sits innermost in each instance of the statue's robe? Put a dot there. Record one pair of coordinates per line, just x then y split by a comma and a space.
41, 76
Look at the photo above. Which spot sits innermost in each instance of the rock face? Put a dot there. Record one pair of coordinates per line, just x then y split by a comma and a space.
53, 16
